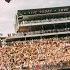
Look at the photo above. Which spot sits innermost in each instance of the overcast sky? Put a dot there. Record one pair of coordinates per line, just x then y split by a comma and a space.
9, 10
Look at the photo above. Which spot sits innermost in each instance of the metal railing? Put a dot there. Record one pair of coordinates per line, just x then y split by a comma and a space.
46, 20
44, 31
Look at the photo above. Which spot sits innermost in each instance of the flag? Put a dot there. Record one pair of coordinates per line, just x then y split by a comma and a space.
8, 1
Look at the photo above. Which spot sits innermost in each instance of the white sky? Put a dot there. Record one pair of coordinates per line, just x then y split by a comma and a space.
9, 10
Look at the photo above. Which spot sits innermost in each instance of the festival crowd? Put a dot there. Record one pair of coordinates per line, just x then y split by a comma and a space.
36, 54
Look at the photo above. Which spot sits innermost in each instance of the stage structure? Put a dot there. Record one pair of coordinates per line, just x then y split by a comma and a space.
42, 22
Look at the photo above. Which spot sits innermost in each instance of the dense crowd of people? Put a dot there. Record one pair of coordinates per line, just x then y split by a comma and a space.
36, 54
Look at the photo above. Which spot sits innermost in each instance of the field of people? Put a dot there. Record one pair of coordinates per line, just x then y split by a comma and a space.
35, 54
